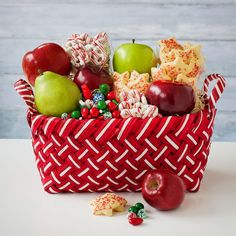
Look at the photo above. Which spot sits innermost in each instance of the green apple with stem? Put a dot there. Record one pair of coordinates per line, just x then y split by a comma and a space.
55, 94
134, 56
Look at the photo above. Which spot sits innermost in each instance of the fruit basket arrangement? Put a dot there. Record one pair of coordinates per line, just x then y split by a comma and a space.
100, 129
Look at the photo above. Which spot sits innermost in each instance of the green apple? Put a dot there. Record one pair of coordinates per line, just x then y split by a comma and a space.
134, 56
55, 94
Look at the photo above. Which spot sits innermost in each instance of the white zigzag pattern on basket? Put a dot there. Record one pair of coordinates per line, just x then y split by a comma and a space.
104, 155
144, 129
123, 128
104, 130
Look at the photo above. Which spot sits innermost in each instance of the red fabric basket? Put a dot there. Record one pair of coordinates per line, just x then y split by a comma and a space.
114, 154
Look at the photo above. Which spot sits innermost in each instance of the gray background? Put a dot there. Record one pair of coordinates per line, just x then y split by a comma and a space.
26, 24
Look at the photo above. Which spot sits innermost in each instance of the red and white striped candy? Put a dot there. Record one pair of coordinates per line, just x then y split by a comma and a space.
134, 104
85, 50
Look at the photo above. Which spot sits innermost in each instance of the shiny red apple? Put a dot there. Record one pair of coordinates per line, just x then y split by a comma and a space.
47, 57
163, 190
171, 98
92, 79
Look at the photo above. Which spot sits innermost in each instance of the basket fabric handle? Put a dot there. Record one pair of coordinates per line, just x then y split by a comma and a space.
26, 92
217, 90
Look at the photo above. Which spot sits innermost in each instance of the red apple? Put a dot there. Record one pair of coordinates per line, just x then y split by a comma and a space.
171, 98
47, 57
92, 79
163, 190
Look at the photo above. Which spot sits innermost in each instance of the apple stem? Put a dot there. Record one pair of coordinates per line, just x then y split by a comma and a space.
133, 40
40, 72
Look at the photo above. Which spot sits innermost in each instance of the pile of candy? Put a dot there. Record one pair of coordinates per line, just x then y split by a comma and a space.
109, 203
136, 214
86, 51
100, 103
134, 104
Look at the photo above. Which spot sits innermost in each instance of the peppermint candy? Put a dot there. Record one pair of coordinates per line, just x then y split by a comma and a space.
134, 104
86, 51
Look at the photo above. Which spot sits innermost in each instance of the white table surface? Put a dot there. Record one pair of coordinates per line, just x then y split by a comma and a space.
25, 209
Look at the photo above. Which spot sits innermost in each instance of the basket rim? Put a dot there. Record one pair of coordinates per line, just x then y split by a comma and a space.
204, 111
